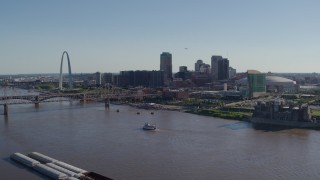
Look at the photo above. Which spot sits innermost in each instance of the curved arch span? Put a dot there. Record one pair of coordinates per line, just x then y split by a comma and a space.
69, 68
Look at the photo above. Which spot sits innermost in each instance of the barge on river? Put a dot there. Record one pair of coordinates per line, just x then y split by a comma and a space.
55, 169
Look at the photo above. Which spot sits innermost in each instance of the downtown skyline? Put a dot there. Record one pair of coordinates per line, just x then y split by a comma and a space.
110, 36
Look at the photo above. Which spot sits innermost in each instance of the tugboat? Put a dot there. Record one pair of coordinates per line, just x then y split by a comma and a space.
148, 126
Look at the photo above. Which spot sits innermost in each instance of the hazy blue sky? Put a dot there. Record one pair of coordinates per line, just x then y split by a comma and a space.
114, 35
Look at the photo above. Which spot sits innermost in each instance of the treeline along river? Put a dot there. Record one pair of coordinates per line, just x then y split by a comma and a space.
185, 146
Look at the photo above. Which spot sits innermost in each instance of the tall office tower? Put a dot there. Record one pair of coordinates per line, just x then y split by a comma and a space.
214, 67
108, 78
98, 78
197, 65
166, 66
223, 69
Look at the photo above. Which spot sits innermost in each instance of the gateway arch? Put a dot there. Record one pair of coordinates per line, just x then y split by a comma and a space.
69, 68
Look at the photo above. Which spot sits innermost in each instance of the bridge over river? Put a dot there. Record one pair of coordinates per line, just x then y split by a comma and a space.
58, 97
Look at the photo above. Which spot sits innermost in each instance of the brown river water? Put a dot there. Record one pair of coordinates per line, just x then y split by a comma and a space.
185, 146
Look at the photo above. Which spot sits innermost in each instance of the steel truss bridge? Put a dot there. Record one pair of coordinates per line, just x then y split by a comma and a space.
34, 99
101, 95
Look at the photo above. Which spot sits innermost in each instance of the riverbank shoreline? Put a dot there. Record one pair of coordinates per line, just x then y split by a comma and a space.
154, 106
218, 113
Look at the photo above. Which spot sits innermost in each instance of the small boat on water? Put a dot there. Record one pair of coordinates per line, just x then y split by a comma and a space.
148, 126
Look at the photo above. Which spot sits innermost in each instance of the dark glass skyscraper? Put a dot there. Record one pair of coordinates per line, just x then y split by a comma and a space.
219, 68
223, 69
166, 65
215, 67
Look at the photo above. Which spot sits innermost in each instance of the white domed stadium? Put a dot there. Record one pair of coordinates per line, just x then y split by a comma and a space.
279, 81
273, 83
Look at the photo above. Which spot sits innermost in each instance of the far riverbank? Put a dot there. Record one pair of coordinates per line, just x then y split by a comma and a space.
154, 106
241, 116
231, 114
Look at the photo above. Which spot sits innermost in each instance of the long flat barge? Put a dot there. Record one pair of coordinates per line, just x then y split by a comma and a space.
55, 169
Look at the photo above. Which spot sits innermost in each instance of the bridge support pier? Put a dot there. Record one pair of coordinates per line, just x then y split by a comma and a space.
5, 109
36, 104
83, 100
107, 103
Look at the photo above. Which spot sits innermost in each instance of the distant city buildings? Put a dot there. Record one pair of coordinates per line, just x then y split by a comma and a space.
232, 72
200, 66
215, 67
223, 69
183, 74
151, 79
205, 68
272, 83
183, 69
108, 78
98, 79
219, 68
156, 79
217, 77
204, 75
166, 66
256, 84
197, 65
201, 79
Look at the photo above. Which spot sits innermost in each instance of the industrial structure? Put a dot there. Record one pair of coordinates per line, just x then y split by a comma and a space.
280, 113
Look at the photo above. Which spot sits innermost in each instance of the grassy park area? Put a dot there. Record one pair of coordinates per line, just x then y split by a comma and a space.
237, 115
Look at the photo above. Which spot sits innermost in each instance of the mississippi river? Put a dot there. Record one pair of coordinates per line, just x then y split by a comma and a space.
185, 146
